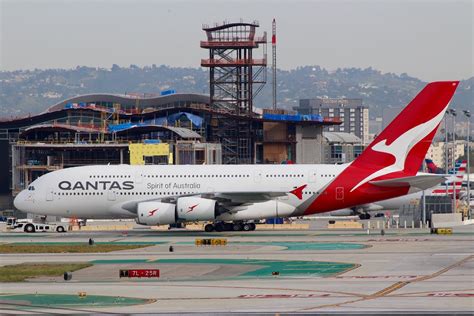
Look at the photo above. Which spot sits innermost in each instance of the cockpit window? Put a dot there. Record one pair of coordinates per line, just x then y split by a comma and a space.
31, 188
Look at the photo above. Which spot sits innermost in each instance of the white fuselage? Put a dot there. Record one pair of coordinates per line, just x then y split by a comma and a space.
108, 191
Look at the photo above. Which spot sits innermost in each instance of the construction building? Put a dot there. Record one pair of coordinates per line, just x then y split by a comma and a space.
124, 129
353, 115
437, 152
341, 147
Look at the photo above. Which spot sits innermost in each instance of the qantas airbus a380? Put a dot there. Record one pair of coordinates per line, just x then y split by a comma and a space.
157, 195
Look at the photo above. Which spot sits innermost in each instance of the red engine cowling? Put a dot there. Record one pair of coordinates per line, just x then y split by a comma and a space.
156, 213
196, 209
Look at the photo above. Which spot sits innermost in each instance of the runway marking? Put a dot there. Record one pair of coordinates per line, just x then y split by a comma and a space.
451, 294
279, 296
425, 293
261, 288
451, 254
377, 277
392, 288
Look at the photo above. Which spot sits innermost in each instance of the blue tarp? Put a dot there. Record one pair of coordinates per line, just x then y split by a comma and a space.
170, 120
123, 126
151, 141
276, 220
168, 92
196, 120
293, 117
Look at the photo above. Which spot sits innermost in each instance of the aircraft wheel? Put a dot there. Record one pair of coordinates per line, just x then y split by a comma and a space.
219, 227
209, 228
29, 228
252, 226
60, 229
237, 227
364, 216
246, 227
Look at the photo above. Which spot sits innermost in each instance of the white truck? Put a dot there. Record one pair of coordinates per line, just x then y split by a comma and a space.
28, 226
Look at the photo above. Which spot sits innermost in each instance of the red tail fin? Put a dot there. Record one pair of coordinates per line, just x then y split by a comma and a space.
397, 152
402, 145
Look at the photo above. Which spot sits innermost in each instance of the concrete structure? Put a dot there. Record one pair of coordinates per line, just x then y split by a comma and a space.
309, 144
195, 153
437, 152
341, 147
354, 115
107, 128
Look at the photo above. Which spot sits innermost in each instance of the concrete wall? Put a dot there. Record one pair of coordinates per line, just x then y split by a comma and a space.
309, 144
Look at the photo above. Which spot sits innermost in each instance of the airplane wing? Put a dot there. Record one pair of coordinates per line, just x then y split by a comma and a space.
421, 182
226, 199
238, 198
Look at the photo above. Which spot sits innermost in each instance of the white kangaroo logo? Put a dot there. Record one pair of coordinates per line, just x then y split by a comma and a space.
400, 147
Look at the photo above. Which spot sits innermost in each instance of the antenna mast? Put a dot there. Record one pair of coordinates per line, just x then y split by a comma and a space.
274, 64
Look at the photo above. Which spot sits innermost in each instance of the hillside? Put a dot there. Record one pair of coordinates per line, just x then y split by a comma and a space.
32, 91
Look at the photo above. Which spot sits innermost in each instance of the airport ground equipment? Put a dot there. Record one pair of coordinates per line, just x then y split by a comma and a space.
442, 231
67, 276
211, 242
28, 226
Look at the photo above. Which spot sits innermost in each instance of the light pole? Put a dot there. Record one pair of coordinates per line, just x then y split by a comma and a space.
453, 113
446, 159
467, 113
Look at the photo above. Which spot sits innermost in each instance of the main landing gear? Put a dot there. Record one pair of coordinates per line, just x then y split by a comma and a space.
364, 216
234, 226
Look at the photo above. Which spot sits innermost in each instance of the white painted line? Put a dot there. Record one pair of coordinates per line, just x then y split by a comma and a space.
453, 254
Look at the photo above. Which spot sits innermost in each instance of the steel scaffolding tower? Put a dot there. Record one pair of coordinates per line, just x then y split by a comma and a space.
235, 79
235, 76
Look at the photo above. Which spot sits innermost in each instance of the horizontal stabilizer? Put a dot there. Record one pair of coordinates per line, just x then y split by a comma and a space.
421, 182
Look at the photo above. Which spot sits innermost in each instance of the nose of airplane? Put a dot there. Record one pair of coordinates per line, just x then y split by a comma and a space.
19, 201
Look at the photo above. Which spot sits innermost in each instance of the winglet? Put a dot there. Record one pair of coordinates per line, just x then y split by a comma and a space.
298, 192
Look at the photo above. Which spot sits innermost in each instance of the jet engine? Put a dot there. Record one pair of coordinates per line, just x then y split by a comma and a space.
269, 209
156, 213
196, 209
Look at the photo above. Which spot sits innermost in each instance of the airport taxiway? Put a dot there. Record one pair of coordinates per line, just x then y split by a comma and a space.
320, 270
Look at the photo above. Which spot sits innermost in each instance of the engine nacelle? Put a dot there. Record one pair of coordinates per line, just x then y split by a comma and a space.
196, 209
156, 213
341, 212
268, 209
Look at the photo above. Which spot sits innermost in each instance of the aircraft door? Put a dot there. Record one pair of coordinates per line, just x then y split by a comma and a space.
258, 176
138, 176
313, 176
111, 195
340, 193
49, 194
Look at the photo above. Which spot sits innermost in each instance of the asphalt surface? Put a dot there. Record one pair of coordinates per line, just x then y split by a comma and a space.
317, 270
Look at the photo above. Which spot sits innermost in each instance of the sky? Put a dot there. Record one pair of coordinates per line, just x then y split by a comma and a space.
431, 40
